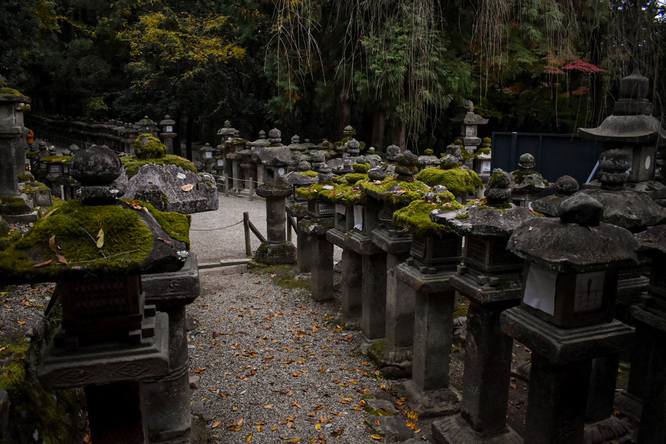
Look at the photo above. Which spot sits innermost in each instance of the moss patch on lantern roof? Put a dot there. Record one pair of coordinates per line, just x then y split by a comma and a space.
397, 192
466, 155
147, 146
361, 167
353, 178
76, 240
309, 173
344, 194
132, 164
416, 217
459, 181
56, 159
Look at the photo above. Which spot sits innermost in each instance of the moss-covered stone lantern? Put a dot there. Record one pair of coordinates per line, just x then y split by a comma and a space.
491, 279
96, 249
12, 138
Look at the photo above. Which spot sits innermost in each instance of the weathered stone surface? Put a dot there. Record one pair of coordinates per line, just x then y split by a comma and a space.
275, 253
172, 181
96, 165
393, 428
566, 345
561, 246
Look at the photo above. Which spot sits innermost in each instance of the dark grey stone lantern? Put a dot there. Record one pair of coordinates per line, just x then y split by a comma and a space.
566, 313
632, 128
12, 139
207, 157
168, 134
469, 122
274, 159
110, 339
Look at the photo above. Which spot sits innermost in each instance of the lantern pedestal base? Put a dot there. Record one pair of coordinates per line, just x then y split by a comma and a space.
431, 403
455, 430
560, 373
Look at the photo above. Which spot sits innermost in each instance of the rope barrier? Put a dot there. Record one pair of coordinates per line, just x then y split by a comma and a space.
216, 229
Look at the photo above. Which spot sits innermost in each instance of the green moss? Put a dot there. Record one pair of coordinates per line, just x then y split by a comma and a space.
416, 217
34, 186
177, 225
32, 407
283, 275
477, 153
25, 177
341, 193
309, 173
361, 167
462, 216
127, 242
458, 181
399, 193
13, 351
147, 146
12, 205
56, 159
132, 164
6, 241
352, 178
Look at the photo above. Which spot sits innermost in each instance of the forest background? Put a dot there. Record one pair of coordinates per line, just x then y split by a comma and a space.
397, 70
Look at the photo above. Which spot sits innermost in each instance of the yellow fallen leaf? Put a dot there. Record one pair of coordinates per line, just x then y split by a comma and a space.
377, 437
248, 438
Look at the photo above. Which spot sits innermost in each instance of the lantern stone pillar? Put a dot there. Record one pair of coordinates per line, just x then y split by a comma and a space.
566, 313
168, 398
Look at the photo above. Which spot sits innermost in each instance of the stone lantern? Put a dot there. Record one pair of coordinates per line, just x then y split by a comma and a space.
12, 139
207, 157
146, 125
168, 134
428, 160
527, 183
490, 278
632, 128
110, 340
566, 313
469, 122
549, 205
275, 158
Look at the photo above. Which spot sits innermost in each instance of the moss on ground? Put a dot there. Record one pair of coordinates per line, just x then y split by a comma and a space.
458, 181
284, 276
12, 205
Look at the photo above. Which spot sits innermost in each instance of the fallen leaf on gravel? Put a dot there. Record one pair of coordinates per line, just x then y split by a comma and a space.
377, 437
216, 424
249, 438
269, 406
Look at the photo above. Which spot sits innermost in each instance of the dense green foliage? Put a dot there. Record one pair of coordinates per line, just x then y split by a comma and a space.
397, 71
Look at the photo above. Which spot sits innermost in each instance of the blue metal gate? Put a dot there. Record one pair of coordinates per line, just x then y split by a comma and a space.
555, 154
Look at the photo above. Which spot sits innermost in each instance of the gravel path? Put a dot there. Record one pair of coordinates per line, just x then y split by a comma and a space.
275, 366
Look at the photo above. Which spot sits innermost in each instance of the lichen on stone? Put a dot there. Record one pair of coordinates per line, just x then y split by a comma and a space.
459, 181
56, 159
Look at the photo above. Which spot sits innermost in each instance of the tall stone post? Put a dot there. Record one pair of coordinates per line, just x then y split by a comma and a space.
566, 313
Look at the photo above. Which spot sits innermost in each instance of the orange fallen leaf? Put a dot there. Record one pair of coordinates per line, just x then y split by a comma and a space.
52, 244
187, 187
43, 264
216, 424
269, 406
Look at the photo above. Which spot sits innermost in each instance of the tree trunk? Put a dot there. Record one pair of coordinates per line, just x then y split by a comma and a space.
596, 85
343, 109
400, 134
188, 135
378, 127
